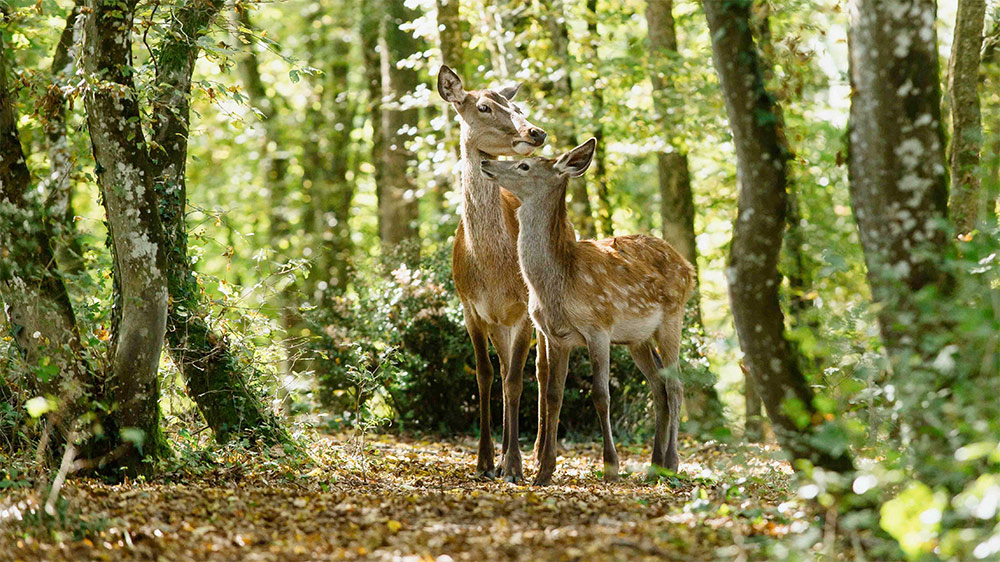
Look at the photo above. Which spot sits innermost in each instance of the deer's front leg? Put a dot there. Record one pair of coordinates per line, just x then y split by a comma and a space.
542, 377
558, 361
599, 346
510, 464
484, 377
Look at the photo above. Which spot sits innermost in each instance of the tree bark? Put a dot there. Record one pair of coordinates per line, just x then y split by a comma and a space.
603, 225
677, 198
896, 164
328, 154
559, 89
58, 185
371, 38
139, 313
38, 309
967, 127
398, 200
215, 380
758, 231
454, 34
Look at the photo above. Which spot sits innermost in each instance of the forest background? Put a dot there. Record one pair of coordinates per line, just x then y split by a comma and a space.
322, 194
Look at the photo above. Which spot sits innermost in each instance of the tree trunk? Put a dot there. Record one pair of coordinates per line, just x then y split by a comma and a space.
371, 34
758, 230
677, 198
896, 164
453, 32
603, 224
37, 306
560, 93
398, 200
328, 154
215, 380
139, 313
58, 185
967, 128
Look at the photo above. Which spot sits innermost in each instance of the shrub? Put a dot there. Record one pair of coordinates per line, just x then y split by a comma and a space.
403, 331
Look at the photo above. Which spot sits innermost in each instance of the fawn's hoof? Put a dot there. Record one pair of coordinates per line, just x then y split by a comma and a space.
486, 474
542, 480
610, 472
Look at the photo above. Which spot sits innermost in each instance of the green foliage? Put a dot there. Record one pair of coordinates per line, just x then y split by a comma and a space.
397, 348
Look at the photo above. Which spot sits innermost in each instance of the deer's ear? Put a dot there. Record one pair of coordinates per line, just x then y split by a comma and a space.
575, 162
510, 91
450, 85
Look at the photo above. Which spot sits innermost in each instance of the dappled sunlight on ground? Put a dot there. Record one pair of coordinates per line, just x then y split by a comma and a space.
415, 499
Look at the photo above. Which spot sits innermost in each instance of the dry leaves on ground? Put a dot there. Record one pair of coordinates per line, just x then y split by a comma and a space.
410, 499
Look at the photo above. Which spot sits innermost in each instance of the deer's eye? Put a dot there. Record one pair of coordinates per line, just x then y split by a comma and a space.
522, 166
483, 108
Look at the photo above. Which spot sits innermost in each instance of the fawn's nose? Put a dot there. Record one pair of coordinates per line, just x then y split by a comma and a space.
537, 135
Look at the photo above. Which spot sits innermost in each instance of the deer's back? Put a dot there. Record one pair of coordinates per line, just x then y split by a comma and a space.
626, 285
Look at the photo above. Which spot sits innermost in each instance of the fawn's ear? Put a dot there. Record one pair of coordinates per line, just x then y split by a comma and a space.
576, 161
510, 91
450, 85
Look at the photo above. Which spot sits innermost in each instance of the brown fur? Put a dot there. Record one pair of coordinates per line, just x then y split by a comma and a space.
628, 289
484, 258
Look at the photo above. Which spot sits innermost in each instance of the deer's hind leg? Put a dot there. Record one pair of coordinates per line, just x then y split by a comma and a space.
645, 357
668, 339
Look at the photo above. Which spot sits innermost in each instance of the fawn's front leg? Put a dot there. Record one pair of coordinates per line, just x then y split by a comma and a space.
558, 366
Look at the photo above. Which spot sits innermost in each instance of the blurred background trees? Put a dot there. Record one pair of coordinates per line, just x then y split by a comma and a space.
299, 182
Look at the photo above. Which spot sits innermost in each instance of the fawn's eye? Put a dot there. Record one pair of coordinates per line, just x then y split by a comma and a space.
522, 166
483, 108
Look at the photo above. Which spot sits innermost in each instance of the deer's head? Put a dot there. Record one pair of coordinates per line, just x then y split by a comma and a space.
492, 121
531, 178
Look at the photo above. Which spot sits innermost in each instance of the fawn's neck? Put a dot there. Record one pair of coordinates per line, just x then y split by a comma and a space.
482, 209
545, 242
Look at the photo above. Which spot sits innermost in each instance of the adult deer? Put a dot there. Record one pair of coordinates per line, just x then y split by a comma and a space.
627, 289
484, 259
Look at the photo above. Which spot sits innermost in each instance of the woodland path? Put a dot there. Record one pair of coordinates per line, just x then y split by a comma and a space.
414, 499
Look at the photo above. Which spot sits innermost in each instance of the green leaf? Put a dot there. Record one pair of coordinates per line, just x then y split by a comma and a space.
914, 518
38, 406
134, 436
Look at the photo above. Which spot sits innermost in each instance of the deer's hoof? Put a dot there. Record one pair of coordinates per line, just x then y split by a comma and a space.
486, 474
542, 481
610, 472
513, 478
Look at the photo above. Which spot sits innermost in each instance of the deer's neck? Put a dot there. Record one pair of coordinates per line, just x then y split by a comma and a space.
545, 244
482, 209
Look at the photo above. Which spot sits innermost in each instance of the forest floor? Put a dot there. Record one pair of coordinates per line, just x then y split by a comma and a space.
406, 498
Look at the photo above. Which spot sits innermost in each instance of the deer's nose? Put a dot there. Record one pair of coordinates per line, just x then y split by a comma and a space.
537, 135
483, 162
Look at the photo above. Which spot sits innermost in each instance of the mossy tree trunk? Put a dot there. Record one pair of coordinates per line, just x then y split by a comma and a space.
124, 173
216, 379
758, 231
38, 310
966, 120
